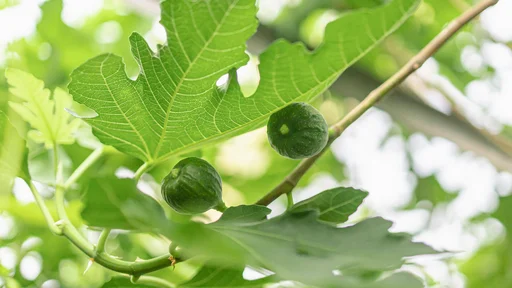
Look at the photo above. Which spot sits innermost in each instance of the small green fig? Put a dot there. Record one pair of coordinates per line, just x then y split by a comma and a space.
297, 131
193, 186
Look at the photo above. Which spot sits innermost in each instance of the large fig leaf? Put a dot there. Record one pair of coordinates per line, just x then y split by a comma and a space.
175, 106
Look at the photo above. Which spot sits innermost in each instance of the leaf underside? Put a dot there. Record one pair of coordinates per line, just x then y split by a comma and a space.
46, 115
334, 205
109, 201
289, 245
174, 106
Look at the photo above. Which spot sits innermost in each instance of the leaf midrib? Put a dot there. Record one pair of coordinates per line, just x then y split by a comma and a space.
185, 73
43, 115
272, 236
340, 205
147, 154
263, 117
225, 133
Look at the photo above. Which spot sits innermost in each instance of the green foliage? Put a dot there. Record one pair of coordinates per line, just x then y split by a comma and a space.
334, 205
489, 266
123, 282
429, 189
175, 107
288, 245
504, 213
507, 132
8, 3
51, 124
65, 53
192, 187
108, 202
294, 242
10, 165
10, 282
158, 115
363, 3
244, 214
297, 131
223, 277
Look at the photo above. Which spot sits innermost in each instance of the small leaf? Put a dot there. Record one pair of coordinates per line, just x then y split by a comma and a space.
334, 205
225, 277
244, 214
48, 118
117, 204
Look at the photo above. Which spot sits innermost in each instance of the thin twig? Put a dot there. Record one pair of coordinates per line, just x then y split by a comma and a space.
376, 95
289, 197
100, 246
138, 267
142, 169
91, 159
55, 159
46, 213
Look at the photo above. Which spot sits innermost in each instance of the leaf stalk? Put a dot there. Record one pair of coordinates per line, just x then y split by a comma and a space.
93, 157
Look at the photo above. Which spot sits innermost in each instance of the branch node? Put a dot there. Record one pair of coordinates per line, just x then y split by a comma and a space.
173, 261
290, 182
134, 278
59, 225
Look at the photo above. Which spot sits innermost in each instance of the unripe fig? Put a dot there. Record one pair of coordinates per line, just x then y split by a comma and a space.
297, 131
193, 186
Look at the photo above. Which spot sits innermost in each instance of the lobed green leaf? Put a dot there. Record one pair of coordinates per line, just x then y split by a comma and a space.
175, 106
288, 245
291, 244
50, 122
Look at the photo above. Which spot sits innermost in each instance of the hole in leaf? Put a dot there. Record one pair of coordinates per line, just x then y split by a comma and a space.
81, 111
